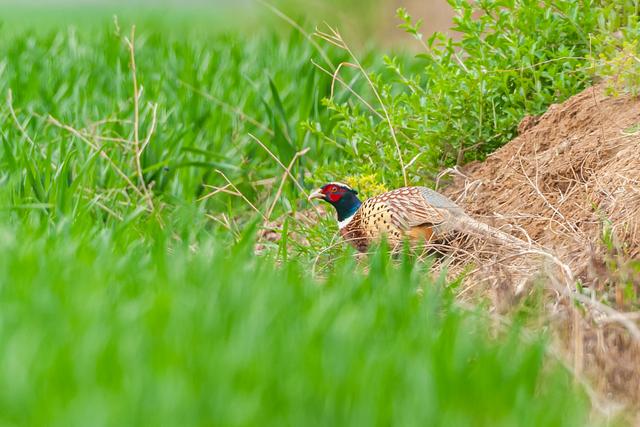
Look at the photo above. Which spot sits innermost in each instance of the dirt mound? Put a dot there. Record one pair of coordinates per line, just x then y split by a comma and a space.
571, 182
571, 173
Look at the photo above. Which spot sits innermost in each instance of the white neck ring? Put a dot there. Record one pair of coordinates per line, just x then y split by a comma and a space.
342, 224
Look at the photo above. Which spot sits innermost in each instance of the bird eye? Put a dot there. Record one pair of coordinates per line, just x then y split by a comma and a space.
334, 189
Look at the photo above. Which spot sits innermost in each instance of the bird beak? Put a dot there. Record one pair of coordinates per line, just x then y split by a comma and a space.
317, 194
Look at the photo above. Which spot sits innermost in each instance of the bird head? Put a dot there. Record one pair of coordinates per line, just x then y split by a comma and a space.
343, 198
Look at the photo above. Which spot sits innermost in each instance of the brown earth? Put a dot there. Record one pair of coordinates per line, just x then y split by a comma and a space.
571, 183
566, 176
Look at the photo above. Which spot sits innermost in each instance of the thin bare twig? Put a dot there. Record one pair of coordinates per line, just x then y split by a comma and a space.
334, 76
136, 107
100, 151
96, 199
613, 314
348, 87
139, 147
240, 194
225, 223
152, 129
21, 128
216, 191
336, 39
15, 119
286, 173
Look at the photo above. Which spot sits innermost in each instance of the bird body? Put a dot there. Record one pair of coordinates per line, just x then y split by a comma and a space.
418, 214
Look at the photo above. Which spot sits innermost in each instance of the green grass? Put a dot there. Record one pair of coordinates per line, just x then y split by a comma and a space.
114, 315
101, 331
263, 86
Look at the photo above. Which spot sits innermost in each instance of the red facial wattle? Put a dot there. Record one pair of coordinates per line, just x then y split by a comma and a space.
334, 197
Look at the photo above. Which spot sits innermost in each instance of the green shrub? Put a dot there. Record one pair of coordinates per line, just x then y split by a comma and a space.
617, 58
508, 59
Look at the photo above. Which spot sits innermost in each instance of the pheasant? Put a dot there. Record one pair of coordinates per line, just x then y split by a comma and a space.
414, 213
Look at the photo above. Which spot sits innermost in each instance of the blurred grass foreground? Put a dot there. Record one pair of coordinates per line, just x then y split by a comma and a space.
127, 297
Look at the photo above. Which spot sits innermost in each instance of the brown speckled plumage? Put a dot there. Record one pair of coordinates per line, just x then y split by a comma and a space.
417, 213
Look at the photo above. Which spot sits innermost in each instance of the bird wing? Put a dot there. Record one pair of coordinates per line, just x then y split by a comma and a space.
408, 208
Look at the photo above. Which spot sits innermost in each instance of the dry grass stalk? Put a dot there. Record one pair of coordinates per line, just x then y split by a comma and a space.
333, 37
286, 174
21, 128
335, 77
239, 194
138, 147
100, 150
287, 170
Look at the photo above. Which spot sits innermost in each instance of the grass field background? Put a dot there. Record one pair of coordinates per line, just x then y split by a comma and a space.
129, 298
